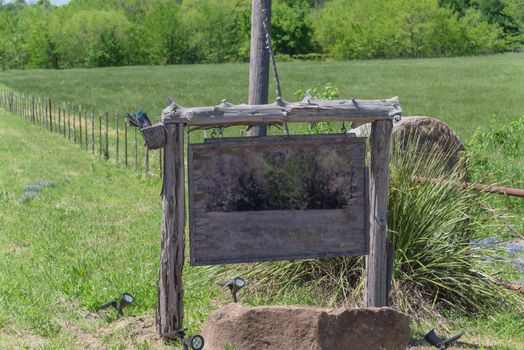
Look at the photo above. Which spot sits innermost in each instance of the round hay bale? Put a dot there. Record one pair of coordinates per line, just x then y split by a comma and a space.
432, 134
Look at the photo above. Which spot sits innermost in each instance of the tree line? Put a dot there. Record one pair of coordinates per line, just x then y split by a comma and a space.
99, 33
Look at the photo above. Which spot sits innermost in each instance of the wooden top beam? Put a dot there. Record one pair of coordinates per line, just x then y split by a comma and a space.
307, 110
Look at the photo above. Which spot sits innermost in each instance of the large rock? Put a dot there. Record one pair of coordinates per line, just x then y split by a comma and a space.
305, 328
433, 132
430, 132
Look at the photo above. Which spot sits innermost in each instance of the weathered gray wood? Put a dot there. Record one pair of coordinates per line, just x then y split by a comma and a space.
259, 59
390, 253
219, 235
308, 110
170, 311
376, 261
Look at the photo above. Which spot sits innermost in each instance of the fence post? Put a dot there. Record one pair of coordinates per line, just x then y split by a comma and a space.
107, 136
125, 144
147, 161
50, 116
80, 123
74, 125
69, 122
136, 151
86, 134
117, 140
59, 121
92, 132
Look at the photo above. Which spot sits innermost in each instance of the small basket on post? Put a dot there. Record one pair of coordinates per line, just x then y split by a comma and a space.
154, 136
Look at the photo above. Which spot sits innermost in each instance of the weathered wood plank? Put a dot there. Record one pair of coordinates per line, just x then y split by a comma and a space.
308, 110
249, 236
376, 261
239, 211
170, 311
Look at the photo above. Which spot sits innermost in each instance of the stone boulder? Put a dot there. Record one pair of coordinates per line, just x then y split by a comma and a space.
429, 131
304, 328
433, 132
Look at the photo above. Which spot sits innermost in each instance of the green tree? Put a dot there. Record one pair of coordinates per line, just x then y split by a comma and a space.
290, 30
218, 30
90, 37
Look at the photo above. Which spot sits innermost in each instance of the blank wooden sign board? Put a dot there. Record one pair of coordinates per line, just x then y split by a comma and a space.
276, 198
272, 198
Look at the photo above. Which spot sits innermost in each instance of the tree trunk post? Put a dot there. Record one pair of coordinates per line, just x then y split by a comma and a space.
376, 261
259, 60
170, 310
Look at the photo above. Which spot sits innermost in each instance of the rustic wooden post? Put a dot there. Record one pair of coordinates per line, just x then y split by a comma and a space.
259, 59
170, 311
376, 261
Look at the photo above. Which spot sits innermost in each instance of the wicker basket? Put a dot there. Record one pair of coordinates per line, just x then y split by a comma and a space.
154, 136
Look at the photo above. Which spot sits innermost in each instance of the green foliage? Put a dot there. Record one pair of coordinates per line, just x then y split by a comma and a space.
407, 28
325, 92
290, 29
497, 156
89, 33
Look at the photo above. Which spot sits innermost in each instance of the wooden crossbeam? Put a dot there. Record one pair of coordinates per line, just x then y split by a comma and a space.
307, 110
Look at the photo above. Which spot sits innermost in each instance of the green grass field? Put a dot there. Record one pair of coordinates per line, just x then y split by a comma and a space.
464, 91
94, 232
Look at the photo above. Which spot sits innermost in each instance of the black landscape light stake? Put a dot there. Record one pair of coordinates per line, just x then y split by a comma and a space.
195, 342
441, 344
234, 286
125, 300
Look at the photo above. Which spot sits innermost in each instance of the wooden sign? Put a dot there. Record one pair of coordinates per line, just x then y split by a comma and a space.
278, 198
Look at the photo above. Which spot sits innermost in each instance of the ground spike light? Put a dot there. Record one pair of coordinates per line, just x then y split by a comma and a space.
234, 286
125, 300
441, 344
195, 342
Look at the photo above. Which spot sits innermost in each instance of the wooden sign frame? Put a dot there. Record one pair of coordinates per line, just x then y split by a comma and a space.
335, 221
170, 135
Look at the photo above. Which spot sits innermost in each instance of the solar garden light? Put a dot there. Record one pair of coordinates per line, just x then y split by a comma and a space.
441, 344
234, 286
125, 300
195, 342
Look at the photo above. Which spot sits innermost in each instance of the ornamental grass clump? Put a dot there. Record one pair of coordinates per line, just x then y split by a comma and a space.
433, 225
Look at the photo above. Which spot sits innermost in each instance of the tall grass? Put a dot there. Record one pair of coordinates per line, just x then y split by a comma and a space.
432, 225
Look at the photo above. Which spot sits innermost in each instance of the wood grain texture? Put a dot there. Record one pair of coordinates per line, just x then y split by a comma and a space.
170, 312
220, 236
259, 60
308, 110
376, 261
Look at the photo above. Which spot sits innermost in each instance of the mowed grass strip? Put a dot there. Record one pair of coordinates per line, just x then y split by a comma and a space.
464, 91
89, 235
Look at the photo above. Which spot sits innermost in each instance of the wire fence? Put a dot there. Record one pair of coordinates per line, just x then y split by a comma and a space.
105, 135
